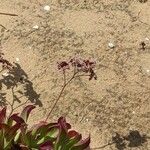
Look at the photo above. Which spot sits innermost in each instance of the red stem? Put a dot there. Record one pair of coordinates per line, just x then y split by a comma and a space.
61, 92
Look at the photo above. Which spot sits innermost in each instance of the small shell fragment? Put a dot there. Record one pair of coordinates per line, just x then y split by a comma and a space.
35, 27
111, 45
87, 120
133, 112
147, 39
17, 59
47, 8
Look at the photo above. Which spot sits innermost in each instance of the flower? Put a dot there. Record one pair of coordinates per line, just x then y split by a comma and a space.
84, 65
63, 65
77, 62
80, 65
88, 65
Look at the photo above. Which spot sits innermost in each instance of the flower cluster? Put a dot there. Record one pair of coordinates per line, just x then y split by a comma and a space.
79, 65
5, 63
63, 65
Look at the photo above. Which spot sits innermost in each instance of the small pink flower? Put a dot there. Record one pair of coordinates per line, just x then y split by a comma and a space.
77, 62
90, 64
80, 65
63, 65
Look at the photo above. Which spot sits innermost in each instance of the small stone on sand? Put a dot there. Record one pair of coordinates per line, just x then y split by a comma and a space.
111, 45
47, 8
133, 112
147, 70
147, 39
17, 59
35, 27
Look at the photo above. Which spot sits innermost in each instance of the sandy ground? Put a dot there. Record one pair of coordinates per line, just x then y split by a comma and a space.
119, 100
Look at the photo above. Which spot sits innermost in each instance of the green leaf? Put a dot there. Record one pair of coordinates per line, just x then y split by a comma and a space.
53, 132
16, 138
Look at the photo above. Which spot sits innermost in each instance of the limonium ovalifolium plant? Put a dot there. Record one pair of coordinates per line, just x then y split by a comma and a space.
15, 133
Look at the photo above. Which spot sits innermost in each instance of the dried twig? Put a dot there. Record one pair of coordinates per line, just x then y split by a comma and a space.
8, 14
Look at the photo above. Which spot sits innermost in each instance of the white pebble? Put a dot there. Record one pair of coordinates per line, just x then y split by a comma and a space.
87, 120
133, 112
5, 74
112, 120
111, 45
47, 8
147, 39
17, 59
147, 70
35, 27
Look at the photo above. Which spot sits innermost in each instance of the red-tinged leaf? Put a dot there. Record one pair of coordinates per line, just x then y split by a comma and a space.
9, 135
82, 145
26, 111
72, 133
75, 137
63, 122
35, 128
13, 131
3, 115
63, 126
45, 131
46, 146
63, 137
16, 118
4, 127
23, 128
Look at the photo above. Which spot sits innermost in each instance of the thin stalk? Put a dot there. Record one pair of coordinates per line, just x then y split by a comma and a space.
103, 146
64, 73
1, 70
60, 94
2, 26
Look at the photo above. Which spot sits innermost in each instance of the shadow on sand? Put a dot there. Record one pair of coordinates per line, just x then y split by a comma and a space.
17, 76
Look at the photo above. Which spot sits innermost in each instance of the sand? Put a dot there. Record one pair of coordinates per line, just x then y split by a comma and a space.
36, 39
